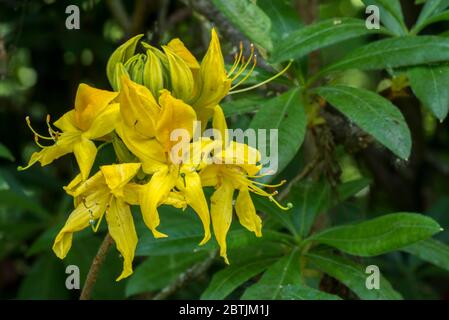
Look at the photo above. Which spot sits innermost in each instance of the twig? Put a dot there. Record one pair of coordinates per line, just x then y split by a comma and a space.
95, 267
185, 277
304, 173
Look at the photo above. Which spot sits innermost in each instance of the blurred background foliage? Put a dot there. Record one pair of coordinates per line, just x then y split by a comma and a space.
41, 65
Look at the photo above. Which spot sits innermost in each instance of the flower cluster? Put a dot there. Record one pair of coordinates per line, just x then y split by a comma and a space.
156, 93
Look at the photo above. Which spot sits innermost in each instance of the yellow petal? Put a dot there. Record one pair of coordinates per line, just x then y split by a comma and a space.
104, 123
90, 102
47, 155
178, 47
175, 115
215, 84
181, 77
209, 176
153, 194
78, 220
246, 212
79, 186
132, 193
149, 151
122, 230
67, 122
138, 107
221, 213
219, 123
85, 153
176, 199
118, 175
194, 195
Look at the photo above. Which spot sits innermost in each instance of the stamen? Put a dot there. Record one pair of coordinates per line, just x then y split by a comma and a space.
237, 60
247, 75
263, 82
53, 133
270, 185
28, 121
36, 140
244, 65
289, 205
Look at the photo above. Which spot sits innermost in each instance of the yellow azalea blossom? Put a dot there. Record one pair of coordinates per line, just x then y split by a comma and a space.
148, 137
226, 178
201, 85
103, 194
92, 118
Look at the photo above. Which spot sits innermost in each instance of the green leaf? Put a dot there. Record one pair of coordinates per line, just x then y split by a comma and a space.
318, 35
432, 251
394, 53
241, 106
390, 14
45, 280
285, 271
284, 18
352, 275
5, 153
380, 235
9, 198
351, 188
374, 114
429, 83
157, 272
249, 19
431, 9
286, 114
309, 199
301, 292
225, 281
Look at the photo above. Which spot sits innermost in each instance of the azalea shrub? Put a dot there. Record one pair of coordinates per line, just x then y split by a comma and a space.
295, 150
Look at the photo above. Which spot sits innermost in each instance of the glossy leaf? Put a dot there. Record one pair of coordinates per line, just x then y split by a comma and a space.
429, 84
352, 275
286, 114
432, 251
317, 36
380, 235
374, 114
283, 272
394, 53
249, 18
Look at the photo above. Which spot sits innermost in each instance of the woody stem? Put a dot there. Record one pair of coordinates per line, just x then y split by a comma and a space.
95, 268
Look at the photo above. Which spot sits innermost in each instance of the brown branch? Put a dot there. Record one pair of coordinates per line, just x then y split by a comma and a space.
192, 273
95, 268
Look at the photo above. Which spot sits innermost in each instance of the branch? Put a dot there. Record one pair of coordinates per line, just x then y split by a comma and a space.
95, 267
192, 273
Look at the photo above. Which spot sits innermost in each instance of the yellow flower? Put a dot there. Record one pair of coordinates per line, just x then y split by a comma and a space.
92, 118
103, 194
147, 135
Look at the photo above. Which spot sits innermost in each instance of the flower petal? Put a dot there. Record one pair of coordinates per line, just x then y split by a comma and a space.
221, 213
175, 115
138, 107
178, 47
79, 219
85, 153
215, 84
153, 194
122, 230
90, 102
181, 77
118, 175
194, 195
246, 212
104, 123
67, 122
